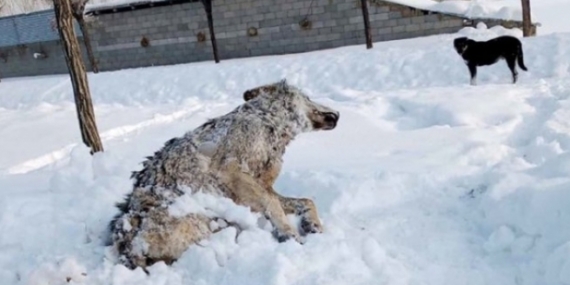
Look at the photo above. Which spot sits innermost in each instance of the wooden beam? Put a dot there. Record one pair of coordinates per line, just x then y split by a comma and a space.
208, 8
78, 10
527, 24
364, 6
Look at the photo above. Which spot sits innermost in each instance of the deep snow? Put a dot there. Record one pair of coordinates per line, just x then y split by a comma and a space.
426, 180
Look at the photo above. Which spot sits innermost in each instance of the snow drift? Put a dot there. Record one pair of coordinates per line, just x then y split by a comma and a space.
426, 180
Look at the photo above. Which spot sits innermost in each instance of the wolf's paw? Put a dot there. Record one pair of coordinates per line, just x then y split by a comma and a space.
283, 236
311, 227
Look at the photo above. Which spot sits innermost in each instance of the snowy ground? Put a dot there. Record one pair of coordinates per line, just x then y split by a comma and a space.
426, 180
552, 15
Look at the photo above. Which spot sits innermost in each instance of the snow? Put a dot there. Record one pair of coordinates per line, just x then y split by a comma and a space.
101, 4
549, 14
475, 9
426, 179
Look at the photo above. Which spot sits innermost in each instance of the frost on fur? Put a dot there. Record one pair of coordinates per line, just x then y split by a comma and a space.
237, 156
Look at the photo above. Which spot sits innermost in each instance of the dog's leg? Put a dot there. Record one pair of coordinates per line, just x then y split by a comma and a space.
520, 57
306, 209
246, 191
511, 62
473, 72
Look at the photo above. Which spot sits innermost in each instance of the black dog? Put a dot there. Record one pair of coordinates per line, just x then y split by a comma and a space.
483, 53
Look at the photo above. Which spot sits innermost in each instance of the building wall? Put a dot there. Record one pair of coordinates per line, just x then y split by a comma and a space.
16, 61
179, 33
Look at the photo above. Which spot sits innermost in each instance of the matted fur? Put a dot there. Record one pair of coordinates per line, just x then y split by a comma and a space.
237, 155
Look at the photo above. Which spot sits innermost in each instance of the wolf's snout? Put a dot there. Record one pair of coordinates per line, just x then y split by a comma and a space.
331, 117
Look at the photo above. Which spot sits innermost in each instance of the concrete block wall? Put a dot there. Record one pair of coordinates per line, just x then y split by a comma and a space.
332, 24
18, 61
392, 22
172, 31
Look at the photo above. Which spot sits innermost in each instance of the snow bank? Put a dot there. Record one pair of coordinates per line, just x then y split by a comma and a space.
475, 9
426, 179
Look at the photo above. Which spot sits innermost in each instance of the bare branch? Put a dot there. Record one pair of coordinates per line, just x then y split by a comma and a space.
79, 81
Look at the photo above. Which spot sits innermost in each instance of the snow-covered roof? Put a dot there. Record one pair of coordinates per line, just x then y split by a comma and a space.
118, 4
474, 9
500, 9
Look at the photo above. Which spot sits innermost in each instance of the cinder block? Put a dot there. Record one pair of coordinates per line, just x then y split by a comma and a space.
398, 29
286, 6
383, 31
258, 17
337, 29
412, 28
394, 15
263, 10
332, 37
382, 8
317, 10
275, 8
379, 17
342, 21
355, 20
431, 18
418, 20
345, 6
330, 23
427, 26
440, 25
294, 13
390, 23
403, 22
325, 45
298, 5
338, 43
325, 31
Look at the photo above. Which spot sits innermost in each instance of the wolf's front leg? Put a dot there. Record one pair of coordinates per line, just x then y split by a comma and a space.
246, 191
306, 209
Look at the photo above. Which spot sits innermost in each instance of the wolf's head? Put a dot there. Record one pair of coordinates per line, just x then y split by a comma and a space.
288, 101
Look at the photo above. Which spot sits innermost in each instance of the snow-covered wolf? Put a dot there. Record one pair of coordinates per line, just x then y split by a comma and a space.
238, 156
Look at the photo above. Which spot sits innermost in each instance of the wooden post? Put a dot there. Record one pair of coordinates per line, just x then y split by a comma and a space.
364, 6
76, 67
78, 9
527, 24
208, 8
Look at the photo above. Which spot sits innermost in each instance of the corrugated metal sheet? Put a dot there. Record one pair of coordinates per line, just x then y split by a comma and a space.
30, 28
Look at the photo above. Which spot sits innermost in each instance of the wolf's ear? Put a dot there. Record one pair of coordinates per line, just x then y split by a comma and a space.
283, 85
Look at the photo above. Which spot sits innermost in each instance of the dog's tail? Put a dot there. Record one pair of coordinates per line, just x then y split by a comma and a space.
520, 58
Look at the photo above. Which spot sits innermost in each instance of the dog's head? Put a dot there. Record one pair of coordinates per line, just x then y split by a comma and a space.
461, 44
288, 101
